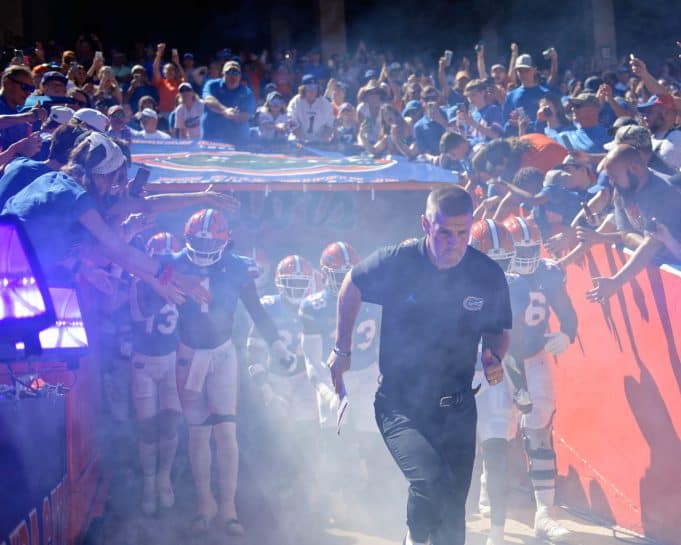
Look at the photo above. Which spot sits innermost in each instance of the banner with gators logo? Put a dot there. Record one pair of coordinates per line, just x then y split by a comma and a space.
188, 165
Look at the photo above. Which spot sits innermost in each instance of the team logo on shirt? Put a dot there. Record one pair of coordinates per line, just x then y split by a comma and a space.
473, 303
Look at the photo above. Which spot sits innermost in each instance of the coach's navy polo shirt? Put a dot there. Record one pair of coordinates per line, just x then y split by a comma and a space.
432, 319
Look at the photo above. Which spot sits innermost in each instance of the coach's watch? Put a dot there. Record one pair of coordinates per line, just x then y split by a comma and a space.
341, 353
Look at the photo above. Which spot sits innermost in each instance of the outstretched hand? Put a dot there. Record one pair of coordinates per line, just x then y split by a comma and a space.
221, 201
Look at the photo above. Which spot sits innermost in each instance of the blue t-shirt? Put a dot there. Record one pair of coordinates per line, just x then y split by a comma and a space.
590, 140
526, 98
14, 133
427, 134
213, 125
492, 114
50, 208
18, 174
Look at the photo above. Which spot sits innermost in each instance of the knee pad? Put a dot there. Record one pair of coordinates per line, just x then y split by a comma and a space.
540, 454
536, 439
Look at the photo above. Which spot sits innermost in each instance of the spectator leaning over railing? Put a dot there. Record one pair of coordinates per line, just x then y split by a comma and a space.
54, 204
22, 171
641, 199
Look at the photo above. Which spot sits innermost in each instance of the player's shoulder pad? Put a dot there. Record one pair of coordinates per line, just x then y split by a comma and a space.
241, 263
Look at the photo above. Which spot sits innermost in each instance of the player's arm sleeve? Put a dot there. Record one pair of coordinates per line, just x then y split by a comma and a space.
562, 305
372, 276
262, 320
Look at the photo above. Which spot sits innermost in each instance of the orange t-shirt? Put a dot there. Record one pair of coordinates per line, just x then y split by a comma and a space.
544, 153
167, 91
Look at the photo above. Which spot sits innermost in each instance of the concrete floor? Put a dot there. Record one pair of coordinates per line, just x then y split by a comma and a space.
124, 525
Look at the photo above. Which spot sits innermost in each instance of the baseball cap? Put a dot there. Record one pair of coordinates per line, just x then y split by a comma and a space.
185, 87
231, 65
147, 112
113, 156
592, 83
556, 177
308, 79
371, 73
585, 99
137, 68
524, 61
412, 106
663, 100
41, 69
60, 114
115, 109
53, 75
188, 56
394, 67
273, 95
634, 135
94, 119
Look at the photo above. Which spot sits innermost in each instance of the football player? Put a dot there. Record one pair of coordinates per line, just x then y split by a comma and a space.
154, 390
546, 286
207, 364
286, 391
318, 313
496, 422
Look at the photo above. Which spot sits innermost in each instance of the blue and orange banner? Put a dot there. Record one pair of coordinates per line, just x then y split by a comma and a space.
183, 165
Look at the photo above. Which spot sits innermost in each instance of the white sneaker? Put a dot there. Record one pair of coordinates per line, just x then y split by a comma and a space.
495, 536
549, 529
149, 495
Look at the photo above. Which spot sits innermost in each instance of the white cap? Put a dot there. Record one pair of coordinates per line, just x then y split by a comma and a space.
148, 112
524, 61
92, 118
60, 114
113, 158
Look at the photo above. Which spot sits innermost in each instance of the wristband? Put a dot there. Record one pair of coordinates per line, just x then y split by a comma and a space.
341, 353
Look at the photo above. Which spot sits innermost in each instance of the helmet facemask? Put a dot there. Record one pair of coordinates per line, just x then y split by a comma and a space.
293, 287
204, 251
526, 258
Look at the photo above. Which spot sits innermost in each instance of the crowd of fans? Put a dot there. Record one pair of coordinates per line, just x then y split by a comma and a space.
591, 158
